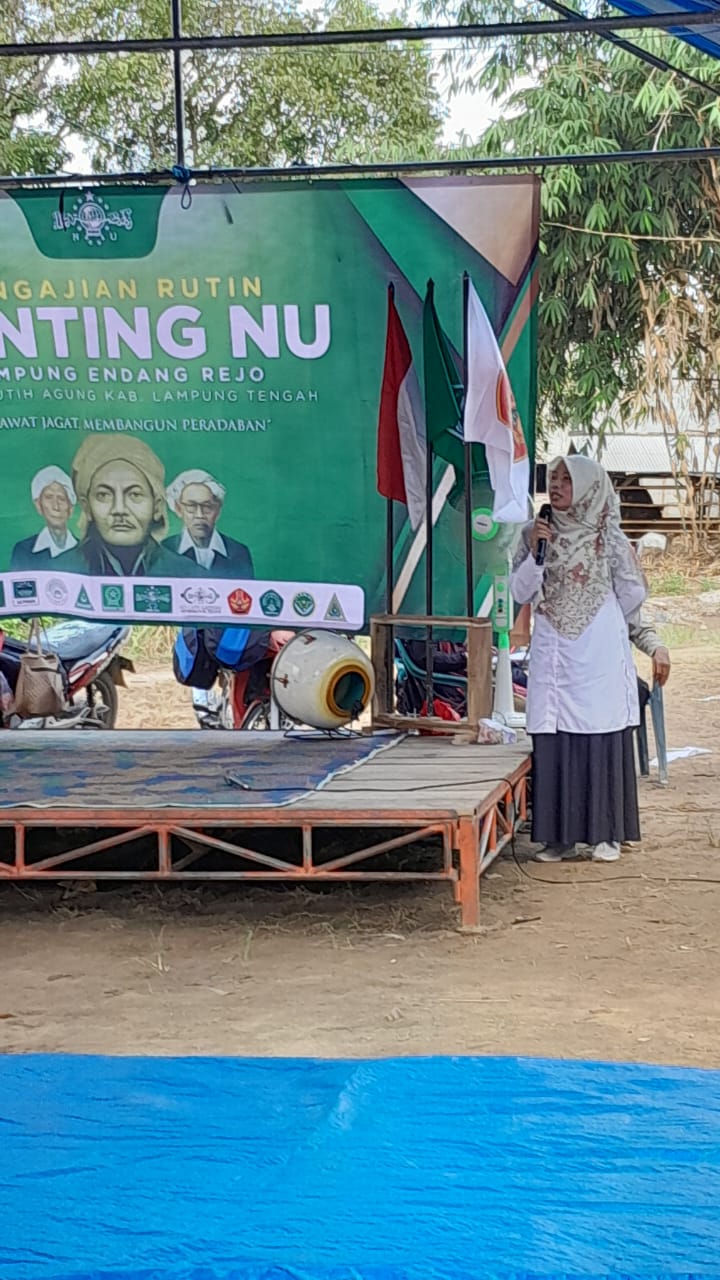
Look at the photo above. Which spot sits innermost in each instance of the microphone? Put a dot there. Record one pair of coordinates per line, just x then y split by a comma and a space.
545, 514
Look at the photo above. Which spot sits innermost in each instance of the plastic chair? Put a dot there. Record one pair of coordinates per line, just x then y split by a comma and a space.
657, 713
444, 679
441, 679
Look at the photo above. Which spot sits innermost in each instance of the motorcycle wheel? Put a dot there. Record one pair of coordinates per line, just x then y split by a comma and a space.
102, 692
226, 716
258, 717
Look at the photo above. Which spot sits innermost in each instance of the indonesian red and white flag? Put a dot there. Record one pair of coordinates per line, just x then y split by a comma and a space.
401, 425
491, 417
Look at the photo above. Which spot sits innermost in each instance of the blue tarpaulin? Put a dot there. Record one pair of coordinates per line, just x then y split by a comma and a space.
134, 769
212, 1169
706, 37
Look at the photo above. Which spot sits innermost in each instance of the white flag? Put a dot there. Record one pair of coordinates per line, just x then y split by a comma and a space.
491, 417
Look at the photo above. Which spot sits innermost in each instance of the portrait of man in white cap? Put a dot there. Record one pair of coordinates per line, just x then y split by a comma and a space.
54, 500
120, 485
197, 498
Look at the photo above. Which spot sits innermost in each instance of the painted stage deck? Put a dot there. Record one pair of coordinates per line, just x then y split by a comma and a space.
198, 805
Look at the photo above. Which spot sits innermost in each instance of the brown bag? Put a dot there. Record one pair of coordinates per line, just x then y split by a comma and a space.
40, 689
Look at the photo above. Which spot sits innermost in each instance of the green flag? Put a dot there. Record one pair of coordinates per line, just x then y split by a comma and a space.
443, 390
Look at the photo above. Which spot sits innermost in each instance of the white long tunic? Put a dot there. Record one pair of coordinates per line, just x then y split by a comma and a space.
586, 685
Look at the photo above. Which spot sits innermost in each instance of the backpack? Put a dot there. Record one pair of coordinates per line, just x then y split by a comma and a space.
192, 664
199, 653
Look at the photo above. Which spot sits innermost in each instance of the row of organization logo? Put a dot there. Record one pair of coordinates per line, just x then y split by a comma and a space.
194, 599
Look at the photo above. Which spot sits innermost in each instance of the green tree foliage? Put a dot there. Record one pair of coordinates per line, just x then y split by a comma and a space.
630, 279
254, 107
27, 143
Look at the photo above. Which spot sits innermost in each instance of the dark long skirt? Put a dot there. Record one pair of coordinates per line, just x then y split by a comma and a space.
584, 788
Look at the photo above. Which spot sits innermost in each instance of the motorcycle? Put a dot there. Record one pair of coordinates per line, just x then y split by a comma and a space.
238, 701
228, 671
92, 668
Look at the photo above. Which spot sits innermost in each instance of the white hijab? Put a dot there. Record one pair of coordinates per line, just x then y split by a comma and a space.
588, 551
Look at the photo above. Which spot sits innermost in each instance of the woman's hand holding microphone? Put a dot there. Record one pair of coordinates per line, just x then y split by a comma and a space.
541, 533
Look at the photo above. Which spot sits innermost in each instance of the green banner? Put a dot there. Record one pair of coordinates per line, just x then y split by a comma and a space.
189, 395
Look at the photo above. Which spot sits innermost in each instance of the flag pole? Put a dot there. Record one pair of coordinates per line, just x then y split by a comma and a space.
389, 529
389, 565
389, 560
467, 447
429, 700
390, 588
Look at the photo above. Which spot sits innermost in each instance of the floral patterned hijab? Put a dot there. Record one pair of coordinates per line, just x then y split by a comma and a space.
588, 551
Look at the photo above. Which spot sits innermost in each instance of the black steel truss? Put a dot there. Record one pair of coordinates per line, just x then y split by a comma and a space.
373, 35
177, 43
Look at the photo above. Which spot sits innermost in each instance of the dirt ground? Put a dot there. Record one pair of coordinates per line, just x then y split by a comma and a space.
154, 700
613, 962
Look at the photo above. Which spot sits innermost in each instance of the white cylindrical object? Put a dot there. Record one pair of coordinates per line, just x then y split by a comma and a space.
322, 679
504, 700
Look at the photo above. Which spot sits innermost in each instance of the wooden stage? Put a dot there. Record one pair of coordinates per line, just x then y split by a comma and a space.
178, 806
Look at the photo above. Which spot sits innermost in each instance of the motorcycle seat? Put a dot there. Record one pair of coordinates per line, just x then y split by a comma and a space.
74, 640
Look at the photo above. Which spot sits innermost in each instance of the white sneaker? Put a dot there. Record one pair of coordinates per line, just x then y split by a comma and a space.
605, 852
556, 853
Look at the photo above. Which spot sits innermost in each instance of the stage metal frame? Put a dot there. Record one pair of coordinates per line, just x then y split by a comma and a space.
469, 842
177, 42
